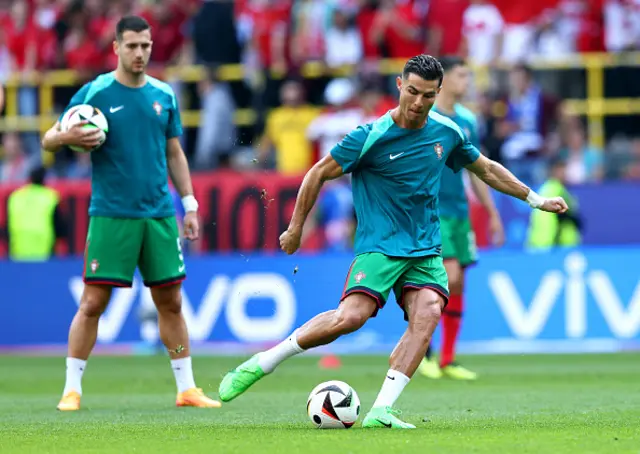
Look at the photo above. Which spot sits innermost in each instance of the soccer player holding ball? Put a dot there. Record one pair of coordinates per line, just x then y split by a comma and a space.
396, 163
457, 236
132, 217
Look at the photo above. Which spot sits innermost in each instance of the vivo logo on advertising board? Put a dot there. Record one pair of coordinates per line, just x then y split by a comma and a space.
570, 286
581, 295
222, 292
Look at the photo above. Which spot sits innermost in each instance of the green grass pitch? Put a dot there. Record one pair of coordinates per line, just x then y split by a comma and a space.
522, 404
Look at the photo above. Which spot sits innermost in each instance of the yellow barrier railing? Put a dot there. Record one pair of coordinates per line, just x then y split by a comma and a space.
595, 107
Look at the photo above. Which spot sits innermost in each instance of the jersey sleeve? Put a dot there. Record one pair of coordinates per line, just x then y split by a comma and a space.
77, 99
348, 152
474, 137
464, 154
174, 129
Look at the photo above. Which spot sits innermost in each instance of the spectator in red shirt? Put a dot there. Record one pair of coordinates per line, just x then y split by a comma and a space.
21, 38
365, 20
444, 25
310, 19
22, 42
81, 52
267, 22
521, 20
400, 27
45, 16
168, 19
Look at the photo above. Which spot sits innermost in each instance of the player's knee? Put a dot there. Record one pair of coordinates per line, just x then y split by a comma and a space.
349, 320
92, 305
427, 311
168, 302
171, 306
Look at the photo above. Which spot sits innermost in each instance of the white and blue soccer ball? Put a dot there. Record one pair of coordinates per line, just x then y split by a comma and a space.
86, 112
333, 405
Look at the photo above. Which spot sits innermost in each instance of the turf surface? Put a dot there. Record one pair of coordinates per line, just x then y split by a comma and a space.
522, 404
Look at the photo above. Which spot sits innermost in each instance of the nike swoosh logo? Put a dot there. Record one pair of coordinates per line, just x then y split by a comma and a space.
394, 156
115, 109
384, 423
391, 378
181, 269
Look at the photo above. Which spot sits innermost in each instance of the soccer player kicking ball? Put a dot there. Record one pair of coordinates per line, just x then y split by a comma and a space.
132, 218
396, 163
458, 239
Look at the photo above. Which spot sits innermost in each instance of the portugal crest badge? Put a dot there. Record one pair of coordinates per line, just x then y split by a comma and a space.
438, 149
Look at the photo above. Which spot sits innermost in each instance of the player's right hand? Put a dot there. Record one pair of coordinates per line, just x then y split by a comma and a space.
554, 205
290, 241
86, 138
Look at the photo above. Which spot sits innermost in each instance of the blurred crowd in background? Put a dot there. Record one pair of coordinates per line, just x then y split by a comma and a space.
299, 119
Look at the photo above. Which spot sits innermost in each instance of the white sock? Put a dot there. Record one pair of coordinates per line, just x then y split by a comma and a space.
75, 369
184, 373
392, 387
270, 359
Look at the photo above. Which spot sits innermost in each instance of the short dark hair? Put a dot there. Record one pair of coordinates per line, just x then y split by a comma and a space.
526, 69
425, 66
450, 62
557, 161
131, 24
38, 175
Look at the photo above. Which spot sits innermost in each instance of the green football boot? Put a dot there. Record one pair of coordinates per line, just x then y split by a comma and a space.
240, 379
385, 418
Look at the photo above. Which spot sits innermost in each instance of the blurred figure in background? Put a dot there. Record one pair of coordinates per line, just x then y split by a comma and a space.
336, 215
340, 116
632, 169
549, 230
285, 136
530, 113
266, 24
25, 44
343, 44
80, 168
310, 22
217, 133
550, 41
34, 220
14, 167
399, 29
459, 250
483, 30
445, 26
584, 163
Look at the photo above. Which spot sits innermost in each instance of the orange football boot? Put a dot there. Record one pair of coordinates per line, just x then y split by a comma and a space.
70, 402
194, 397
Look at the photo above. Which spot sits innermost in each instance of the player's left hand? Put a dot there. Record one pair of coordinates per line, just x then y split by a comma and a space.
191, 226
290, 241
496, 230
554, 205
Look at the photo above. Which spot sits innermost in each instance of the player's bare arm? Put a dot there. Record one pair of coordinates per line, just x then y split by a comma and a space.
54, 139
181, 178
481, 190
325, 169
500, 179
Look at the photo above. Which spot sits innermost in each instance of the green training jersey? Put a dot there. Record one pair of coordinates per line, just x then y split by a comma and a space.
129, 171
396, 179
453, 199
